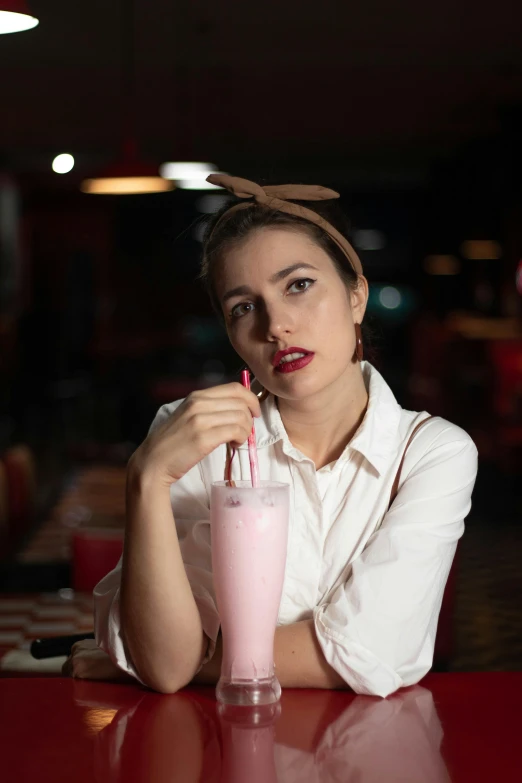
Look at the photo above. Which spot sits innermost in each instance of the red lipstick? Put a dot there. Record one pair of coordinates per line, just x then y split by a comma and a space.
295, 364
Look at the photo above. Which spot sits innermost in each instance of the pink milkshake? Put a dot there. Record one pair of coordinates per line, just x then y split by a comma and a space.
249, 531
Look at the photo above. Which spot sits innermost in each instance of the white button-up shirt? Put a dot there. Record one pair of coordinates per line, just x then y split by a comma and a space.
371, 579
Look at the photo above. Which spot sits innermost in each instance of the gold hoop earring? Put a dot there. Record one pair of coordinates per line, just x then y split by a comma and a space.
359, 347
262, 394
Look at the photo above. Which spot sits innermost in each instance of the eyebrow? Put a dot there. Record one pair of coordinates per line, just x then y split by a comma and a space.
243, 290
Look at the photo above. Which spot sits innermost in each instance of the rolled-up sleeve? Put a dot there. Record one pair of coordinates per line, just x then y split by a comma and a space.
377, 629
191, 512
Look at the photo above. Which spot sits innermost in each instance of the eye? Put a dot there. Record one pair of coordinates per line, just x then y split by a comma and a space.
235, 314
302, 280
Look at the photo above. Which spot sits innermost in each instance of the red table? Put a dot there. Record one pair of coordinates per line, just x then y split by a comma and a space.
452, 727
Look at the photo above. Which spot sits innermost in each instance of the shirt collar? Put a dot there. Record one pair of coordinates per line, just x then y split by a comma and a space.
375, 439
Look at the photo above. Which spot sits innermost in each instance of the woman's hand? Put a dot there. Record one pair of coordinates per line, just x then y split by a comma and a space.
205, 420
88, 662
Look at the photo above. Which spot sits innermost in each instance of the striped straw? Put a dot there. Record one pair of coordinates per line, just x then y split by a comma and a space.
252, 451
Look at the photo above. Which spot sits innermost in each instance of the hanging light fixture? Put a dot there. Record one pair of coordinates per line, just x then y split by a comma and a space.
129, 174
15, 16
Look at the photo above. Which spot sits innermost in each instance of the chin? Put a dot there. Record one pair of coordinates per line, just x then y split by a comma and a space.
299, 388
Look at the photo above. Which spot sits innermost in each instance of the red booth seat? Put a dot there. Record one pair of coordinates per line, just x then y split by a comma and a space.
95, 552
19, 470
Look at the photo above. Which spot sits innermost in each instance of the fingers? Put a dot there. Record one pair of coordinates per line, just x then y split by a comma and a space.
235, 390
88, 661
227, 434
206, 419
235, 424
84, 644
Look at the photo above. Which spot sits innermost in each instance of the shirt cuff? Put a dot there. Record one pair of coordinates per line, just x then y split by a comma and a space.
109, 639
358, 667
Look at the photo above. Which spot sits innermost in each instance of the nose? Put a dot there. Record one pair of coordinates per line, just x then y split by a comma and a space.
279, 321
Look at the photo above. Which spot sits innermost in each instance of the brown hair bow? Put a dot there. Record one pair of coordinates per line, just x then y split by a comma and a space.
276, 197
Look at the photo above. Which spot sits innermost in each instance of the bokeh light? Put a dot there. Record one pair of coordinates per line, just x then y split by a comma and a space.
63, 163
11, 22
390, 298
441, 265
481, 249
119, 186
189, 176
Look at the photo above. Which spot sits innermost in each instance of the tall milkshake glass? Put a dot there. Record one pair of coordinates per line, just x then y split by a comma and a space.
249, 532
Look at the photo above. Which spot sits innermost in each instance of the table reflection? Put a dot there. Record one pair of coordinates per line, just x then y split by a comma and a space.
312, 736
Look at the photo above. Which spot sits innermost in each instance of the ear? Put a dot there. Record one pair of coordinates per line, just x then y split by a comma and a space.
359, 300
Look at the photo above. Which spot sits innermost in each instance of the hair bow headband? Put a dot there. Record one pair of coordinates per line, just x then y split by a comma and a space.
276, 197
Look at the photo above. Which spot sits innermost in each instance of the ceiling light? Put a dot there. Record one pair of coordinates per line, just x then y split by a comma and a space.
127, 176
63, 163
15, 16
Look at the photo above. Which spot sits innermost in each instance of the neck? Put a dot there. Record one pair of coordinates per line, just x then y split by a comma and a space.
322, 425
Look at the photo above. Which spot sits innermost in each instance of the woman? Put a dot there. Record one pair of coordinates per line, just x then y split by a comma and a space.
364, 579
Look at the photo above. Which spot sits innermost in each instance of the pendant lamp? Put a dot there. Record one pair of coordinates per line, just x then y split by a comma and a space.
126, 176
15, 16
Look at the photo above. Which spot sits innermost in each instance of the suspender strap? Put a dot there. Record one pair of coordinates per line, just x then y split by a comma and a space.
395, 486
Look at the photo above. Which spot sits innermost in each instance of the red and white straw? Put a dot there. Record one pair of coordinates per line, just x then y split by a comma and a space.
252, 450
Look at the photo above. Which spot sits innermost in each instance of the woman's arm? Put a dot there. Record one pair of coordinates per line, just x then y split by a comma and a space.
160, 621
378, 627
156, 615
299, 660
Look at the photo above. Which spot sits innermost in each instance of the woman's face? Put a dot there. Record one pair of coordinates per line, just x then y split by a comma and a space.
280, 290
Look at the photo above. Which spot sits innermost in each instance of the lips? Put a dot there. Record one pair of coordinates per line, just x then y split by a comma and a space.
294, 364
280, 354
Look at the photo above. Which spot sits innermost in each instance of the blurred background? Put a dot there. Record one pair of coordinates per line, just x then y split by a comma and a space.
412, 111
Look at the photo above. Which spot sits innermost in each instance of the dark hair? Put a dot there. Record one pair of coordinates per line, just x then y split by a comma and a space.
242, 222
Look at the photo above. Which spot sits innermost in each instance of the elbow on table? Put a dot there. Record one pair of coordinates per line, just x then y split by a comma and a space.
159, 677
166, 682
160, 670
165, 685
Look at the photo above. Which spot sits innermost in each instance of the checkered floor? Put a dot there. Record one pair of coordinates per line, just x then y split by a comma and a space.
24, 618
